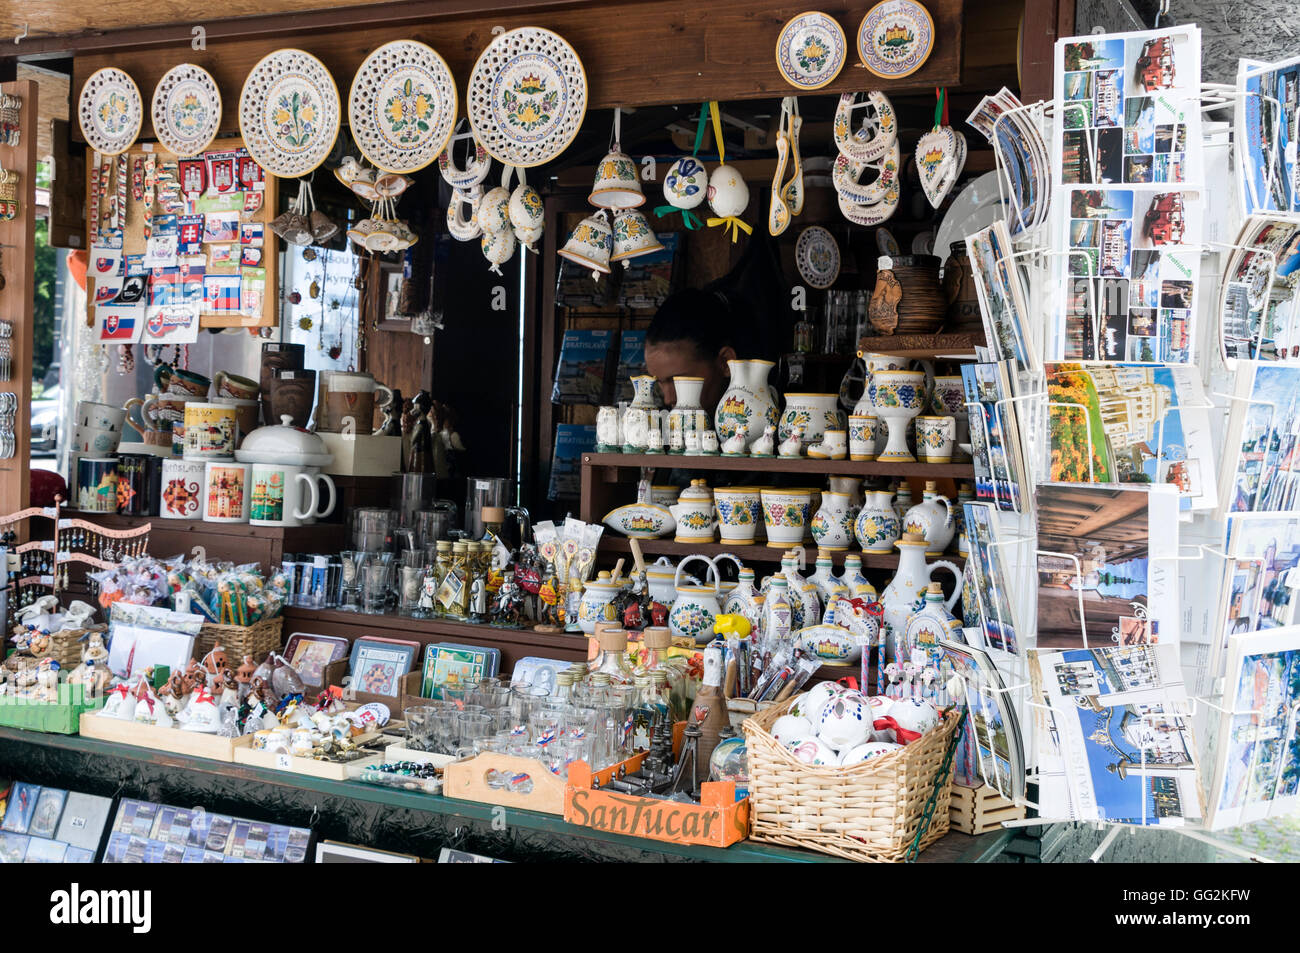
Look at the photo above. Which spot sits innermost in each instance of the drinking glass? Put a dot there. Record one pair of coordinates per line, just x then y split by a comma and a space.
492, 696
472, 726
456, 696
374, 587
445, 730
543, 728
524, 700
420, 728
411, 582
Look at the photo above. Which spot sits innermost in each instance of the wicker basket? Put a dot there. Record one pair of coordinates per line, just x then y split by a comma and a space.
870, 811
256, 640
65, 646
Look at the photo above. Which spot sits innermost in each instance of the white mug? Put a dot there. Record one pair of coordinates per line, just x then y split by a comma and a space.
183, 489
934, 439
282, 495
225, 491
100, 416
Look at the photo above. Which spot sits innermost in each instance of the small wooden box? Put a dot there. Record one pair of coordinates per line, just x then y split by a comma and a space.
980, 810
196, 743
328, 770
363, 454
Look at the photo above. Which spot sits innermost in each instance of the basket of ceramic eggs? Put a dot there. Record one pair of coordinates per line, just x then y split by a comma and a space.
836, 771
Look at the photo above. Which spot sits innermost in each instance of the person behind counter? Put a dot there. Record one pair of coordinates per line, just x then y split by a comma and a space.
693, 334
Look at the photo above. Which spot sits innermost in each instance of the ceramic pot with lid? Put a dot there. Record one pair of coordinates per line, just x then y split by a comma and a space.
284, 443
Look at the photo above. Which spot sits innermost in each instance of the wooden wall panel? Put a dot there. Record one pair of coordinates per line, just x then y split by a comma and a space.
651, 52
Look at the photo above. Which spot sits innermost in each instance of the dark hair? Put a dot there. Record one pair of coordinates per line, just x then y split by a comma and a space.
703, 318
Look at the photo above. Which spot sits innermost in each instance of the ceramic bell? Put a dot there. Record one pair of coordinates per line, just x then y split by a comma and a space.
617, 185
590, 245
494, 211
728, 193
633, 237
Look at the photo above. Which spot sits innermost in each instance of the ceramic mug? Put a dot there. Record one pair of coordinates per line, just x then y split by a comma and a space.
292, 393
350, 394
935, 437
246, 415
100, 416
174, 380
182, 489
95, 441
737, 508
283, 495
225, 491
139, 483
209, 431
785, 516
157, 411
233, 386
862, 437
97, 484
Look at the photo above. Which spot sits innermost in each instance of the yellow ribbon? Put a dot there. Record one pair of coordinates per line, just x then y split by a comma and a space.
732, 224
717, 131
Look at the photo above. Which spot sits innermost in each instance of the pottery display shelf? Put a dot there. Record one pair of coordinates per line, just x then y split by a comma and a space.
936, 346
845, 467
611, 542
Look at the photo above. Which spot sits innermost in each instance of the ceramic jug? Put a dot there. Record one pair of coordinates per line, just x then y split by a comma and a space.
745, 600
857, 583
909, 585
695, 607
877, 525
832, 526
829, 586
933, 519
748, 405
925, 627
810, 415
695, 514
597, 603
687, 414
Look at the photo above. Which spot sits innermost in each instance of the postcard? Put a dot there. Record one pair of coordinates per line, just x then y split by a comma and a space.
49, 808
995, 439
1131, 423
1002, 295
20, 808
84, 817
988, 563
1121, 720
1130, 108
1259, 577
1256, 748
1101, 578
1260, 459
1265, 135
1259, 314
992, 719
13, 847
43, 851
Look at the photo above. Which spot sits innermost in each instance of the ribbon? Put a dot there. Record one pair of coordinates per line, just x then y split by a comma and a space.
902, 735
940, 106
690, 218
732, 224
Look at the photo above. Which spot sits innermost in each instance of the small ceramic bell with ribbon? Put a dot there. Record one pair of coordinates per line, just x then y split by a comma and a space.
590, 244
728, 193
940, 154
633, 237
617, 184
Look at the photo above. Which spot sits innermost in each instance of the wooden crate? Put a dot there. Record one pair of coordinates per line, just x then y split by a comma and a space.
467, 780
282, 761
198, 744
980, 810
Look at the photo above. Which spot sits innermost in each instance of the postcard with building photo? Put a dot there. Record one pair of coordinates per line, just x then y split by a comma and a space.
1121, 717
1127, 423
1256, 748
1265, 133
993, 721
1101, 576
1261, 470
995, 438
1260, 575
1258, 307
990, 565
1002, 296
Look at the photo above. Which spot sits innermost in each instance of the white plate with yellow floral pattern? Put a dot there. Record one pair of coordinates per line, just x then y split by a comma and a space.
527, 96
289, 113
186, 109
818, 256
110, 110
811, 50
402, 106
895, 38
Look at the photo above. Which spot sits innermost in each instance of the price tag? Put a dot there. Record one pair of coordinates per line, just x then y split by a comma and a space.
284, 761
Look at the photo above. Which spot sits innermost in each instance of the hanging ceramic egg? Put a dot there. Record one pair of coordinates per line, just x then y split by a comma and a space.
528, 237
728, 193
686, 183
494, 211
526, 209
498, 248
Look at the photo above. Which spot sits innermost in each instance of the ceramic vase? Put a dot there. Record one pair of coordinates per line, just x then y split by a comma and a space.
636, 419
748, 405
905, 591
783, 516
897, 397
829, 586
877, 525
746, 600
852, 577
809, 415
687, 414
832, 527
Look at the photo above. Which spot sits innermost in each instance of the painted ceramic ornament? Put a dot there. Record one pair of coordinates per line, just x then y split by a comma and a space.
641, 520
813, 752
810, 704
110, 111
617, 184
879, 129
590, 244
868, 751
289, 113
728, 193
462, 215
529, 237
940, 159
790, 728
498, 248
186, 109
527, 96
817, 255
868, 216
494, 211
633, 237
847, 177
914, 714
811, 50
525, 209
476, 167
846, 721
402, 106
778, 212
686, 184
895, 38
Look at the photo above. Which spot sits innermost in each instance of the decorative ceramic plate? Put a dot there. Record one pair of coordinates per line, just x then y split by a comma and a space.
402, 106
110, 110
811, 50
186, 109
527, 96
895, 38
818, 256
641, 520
289, 113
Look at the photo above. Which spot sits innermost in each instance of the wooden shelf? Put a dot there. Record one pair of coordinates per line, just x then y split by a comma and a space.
923, 345
750, 554
305, 538
628, 461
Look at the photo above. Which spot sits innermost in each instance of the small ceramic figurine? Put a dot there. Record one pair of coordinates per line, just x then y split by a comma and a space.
792, 446
391, 425
734, 446
765, 444
47, 680
508, 603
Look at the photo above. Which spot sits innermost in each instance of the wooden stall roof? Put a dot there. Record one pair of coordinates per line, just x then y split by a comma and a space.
635, 52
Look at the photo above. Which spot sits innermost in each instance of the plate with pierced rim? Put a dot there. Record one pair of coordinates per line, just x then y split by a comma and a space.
527, 96
289, 113
110, 110
186, 110
402, 106
818, 256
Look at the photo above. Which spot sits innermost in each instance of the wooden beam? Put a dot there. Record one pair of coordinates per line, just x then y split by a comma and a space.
650, 52
1045, 22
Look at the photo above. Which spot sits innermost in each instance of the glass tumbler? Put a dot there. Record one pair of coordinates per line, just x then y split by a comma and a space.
524, 700
374, 587
446, 734
472, 727
420, 728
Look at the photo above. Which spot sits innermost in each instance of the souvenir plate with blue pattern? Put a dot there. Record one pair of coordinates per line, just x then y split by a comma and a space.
895, 38
811, 50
